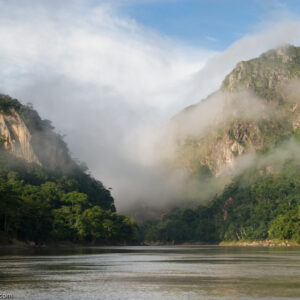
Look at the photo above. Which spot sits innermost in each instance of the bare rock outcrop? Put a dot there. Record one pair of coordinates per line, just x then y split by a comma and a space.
15, 137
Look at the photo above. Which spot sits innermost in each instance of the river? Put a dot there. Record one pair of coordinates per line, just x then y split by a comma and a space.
146, 272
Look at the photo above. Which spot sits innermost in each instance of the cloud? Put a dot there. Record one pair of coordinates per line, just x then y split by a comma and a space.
106, 82
99, 76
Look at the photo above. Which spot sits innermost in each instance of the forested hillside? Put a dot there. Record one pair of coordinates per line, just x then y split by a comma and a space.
247, 136
45, 196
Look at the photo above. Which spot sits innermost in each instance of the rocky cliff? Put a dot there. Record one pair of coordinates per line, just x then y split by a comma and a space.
15, 136
24, 134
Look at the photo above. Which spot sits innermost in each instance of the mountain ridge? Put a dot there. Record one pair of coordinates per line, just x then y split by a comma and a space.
253, 109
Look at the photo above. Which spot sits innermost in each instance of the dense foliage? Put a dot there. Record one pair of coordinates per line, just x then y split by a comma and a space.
36, 206
257, 205
58, 201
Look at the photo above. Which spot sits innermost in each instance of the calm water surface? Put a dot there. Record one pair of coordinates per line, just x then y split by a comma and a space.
177, 272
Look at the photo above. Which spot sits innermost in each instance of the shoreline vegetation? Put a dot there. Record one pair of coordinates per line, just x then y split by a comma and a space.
16, 244
262, 243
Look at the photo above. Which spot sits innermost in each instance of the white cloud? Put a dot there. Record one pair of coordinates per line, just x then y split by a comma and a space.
102, 78
99, 76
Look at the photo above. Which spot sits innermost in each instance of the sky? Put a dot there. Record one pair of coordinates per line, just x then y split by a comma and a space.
109, 74
213, 24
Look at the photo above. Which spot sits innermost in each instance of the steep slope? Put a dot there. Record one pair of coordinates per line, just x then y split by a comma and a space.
256, 107
45, 196
249, 127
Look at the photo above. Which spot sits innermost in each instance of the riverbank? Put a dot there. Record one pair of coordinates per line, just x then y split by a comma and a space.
160, 243
16, 244
265, 243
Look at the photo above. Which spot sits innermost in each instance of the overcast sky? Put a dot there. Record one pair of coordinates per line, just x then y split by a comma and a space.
107, 73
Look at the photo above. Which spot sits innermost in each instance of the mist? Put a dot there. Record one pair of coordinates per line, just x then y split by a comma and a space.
110, 85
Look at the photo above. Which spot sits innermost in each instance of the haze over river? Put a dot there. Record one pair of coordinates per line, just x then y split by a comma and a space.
160, 272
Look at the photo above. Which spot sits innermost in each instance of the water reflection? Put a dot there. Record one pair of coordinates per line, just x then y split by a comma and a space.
177, 272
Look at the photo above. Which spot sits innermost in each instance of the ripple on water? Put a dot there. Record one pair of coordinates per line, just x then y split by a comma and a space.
195, 272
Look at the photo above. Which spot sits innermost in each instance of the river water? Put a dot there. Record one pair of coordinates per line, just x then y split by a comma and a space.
173, 272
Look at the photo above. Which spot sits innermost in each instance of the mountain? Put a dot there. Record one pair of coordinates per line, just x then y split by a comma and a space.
246, 135
45, 195
256, 106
